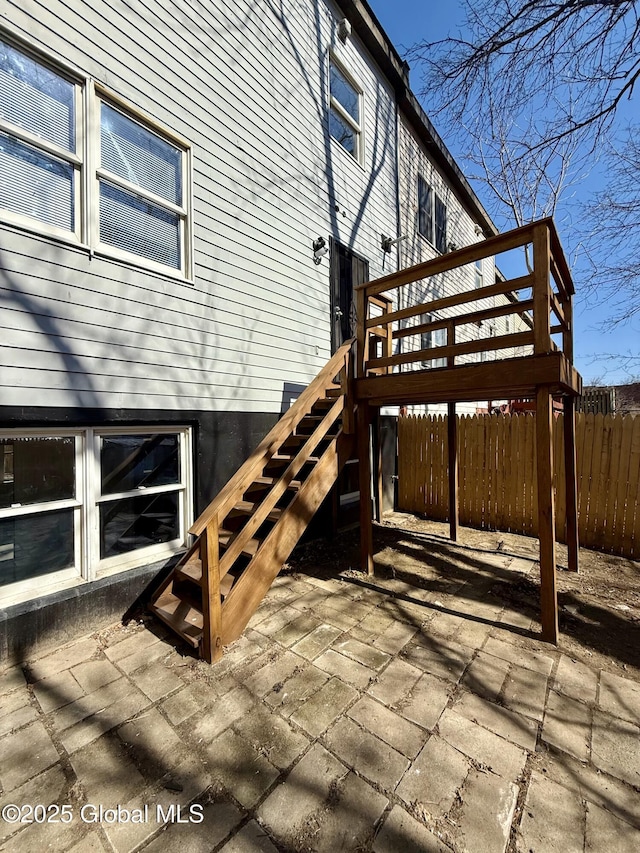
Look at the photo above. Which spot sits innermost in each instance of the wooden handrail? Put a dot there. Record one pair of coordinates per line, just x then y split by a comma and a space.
244, 476
468, 254
465, 319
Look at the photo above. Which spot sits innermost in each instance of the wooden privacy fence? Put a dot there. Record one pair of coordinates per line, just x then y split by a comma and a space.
497, 480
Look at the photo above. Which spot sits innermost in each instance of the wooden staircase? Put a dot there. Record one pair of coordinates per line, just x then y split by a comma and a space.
246, 534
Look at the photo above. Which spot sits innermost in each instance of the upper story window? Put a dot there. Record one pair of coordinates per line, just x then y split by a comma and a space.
479, 274
40, 153
425, 209
136, 207
432, 216
140, 181
345, 113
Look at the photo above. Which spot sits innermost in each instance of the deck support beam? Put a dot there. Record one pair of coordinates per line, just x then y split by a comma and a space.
364, 478
571, 485
546, 514
452, 445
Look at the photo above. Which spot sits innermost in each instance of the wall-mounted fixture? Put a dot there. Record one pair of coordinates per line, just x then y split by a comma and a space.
344, 29
320, 249
478, 231
387, 243
451, 247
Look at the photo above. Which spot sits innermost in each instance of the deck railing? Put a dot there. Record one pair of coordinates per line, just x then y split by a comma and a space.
540, 303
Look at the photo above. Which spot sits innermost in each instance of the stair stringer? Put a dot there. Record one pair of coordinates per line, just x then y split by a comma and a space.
252, 586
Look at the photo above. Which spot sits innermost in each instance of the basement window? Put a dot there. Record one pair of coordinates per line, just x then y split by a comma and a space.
77, 504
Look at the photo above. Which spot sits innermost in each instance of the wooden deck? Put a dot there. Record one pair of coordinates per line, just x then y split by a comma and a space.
532, 358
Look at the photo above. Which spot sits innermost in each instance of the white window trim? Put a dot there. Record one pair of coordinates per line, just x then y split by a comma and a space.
432, 339
88, 565
334, 104
89, 93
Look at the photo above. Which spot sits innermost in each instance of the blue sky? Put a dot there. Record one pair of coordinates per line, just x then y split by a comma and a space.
408, 21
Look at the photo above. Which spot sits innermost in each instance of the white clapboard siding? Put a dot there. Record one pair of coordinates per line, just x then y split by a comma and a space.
248, 89
77, 390
93, 288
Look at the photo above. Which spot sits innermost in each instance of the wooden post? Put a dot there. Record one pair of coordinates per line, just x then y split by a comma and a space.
361, 331
348, 413
541, 289
364, 471
388, 344
567, 335
452, 444
571, 483
546, 514
211, 600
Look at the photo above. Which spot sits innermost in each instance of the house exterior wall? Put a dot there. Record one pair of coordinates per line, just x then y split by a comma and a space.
92, 342
249, 92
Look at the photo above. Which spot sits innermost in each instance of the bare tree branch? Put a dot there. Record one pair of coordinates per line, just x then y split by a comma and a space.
582, 52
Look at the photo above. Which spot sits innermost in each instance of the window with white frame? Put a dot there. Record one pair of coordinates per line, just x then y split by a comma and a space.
425, 209
479, 274
78, 503
345, 110
142, 207
138, 203
432, 216
40, 143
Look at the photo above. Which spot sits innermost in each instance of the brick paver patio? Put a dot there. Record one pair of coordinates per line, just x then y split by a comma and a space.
351, 716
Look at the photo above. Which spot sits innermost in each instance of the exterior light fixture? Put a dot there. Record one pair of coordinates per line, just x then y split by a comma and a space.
320, 249
387, 243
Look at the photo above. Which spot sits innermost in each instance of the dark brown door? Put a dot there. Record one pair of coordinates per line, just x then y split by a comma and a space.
348, 270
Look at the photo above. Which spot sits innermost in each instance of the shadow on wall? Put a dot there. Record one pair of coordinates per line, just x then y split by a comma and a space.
41, 315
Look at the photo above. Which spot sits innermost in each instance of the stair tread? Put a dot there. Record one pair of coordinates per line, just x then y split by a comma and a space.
251, 506
271, 481
193, 571
250, 547
180, 616
287, 457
